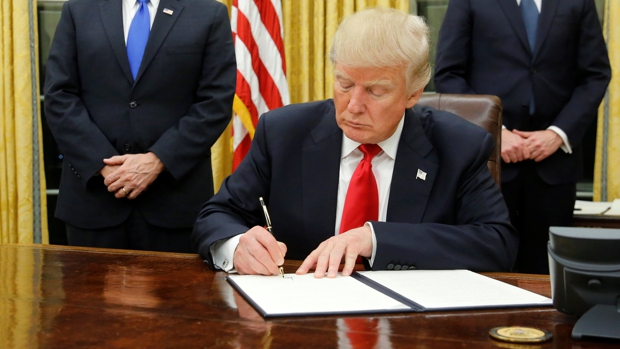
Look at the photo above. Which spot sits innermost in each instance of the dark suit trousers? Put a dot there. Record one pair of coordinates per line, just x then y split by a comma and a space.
534, 206
133, 234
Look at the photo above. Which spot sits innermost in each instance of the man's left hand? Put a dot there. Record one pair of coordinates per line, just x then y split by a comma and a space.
327, 257
135, 173
541, 143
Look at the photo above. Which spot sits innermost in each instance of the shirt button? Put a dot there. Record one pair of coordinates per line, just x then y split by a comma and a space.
390, 266
133, 104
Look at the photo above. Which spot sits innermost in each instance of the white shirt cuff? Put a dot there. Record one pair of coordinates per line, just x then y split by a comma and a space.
565, 143
223, 253
374, 244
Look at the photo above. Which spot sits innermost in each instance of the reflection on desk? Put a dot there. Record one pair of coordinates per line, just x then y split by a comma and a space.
61, 297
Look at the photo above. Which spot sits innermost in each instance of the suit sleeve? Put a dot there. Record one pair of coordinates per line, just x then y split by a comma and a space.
235, 208
481, 239
184, 144
593, 74
80, 140
453, 47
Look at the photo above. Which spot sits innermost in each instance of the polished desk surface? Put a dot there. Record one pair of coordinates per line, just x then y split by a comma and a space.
63, 297
596, 221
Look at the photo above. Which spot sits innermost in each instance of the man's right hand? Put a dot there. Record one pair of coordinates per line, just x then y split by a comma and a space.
514, 148
259, 252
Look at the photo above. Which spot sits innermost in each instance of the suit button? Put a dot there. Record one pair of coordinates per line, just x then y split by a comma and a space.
133, 104
390, 266
405, 267
412, 267
533, 71
397, 267
127, 147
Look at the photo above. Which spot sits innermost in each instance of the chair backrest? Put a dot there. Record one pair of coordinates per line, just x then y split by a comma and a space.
483, 110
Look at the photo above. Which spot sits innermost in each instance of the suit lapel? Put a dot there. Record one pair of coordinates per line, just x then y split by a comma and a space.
408, 194
161, 26
112, 17
320, 172
513, 14
547, 12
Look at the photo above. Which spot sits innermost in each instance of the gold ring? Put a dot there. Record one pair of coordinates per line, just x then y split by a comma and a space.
124, 191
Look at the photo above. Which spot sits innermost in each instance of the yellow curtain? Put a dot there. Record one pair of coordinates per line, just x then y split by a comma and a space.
309, 26
23, 205
607, 164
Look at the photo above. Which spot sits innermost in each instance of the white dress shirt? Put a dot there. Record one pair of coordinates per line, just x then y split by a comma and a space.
350, 156
537, 2
565, 143
130, 7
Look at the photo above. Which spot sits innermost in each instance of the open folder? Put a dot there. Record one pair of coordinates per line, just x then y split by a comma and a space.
367, 292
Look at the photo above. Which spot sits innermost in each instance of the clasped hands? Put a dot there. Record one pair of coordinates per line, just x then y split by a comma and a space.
129, 175
536, 145
258, 252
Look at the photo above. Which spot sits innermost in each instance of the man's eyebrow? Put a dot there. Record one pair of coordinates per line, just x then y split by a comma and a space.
341, 75
380, 82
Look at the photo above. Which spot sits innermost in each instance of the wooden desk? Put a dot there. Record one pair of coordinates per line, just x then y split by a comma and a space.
63, 297
596, 221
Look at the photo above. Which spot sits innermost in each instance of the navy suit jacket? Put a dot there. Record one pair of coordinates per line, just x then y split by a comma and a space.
483, 49
455, 218
177, 107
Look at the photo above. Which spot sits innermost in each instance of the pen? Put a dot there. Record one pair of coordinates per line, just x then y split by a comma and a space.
268, 221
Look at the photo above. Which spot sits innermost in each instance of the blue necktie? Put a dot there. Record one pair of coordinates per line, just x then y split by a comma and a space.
138, 36
530, 19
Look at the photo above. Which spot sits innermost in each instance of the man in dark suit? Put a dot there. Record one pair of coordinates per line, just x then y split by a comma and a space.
136, 136
438, 206
547, 61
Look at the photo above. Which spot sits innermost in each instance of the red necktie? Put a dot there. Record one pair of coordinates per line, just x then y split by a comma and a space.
362, 201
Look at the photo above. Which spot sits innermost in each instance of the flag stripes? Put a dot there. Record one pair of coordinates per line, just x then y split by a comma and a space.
261, 68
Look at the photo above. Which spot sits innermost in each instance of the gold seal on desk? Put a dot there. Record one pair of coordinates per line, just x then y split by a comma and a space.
518, 334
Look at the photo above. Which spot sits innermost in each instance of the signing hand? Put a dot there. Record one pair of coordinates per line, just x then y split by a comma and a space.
541, 144
514, 148
135, 173
259, 252
327, 257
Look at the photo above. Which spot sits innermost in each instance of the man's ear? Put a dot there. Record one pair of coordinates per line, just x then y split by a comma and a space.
414, 98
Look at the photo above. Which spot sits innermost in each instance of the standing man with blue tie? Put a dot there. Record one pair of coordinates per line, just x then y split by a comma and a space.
547, 61
367, 174
136, 93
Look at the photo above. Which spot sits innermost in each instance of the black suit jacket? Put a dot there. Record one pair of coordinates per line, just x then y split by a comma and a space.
455, 218
483, 48
178, 106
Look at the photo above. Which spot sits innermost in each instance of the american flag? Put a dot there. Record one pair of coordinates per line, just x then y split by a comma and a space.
261, 68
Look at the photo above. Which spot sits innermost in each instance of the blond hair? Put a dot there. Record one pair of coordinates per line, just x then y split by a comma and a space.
380, 38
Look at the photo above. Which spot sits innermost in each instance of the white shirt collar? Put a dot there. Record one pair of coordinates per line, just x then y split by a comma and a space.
134, 3
389, 146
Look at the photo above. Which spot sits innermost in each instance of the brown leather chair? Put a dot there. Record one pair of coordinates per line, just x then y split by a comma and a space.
483, 110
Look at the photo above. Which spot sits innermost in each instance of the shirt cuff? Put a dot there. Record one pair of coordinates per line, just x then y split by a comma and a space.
565, 143
223, 253
371, 260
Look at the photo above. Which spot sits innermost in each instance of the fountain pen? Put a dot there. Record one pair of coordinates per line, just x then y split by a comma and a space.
268, 221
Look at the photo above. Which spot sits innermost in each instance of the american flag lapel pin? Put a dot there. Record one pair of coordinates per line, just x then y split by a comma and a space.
421, 175
168, 11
